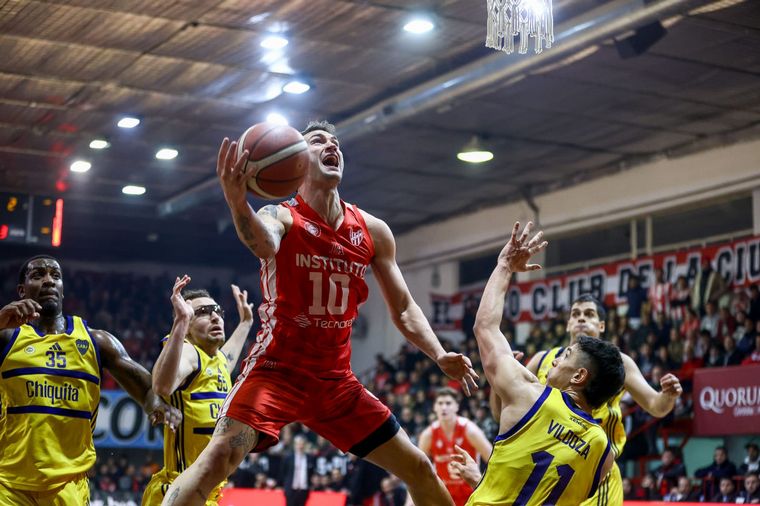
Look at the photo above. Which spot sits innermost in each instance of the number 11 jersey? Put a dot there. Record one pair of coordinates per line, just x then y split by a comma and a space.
553, 455
312, 290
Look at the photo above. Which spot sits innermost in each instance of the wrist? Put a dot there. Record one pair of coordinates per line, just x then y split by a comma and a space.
504, 267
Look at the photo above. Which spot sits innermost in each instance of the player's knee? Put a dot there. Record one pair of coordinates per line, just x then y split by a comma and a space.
419, 468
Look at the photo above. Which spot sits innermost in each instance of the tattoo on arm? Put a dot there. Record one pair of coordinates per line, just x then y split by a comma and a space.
270, 210
173, 498
246, 439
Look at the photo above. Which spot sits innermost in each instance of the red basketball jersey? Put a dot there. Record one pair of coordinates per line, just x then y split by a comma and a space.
441, 450
312, 289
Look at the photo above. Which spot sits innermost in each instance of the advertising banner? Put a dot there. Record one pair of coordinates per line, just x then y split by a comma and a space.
122, 423
727, 401
738, 261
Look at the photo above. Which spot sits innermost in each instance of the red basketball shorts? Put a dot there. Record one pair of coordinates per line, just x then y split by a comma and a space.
340, 410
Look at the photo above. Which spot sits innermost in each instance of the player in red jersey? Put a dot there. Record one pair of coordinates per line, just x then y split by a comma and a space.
314, 252
449, 430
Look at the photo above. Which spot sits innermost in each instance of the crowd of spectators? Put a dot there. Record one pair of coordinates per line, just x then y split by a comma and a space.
665, 327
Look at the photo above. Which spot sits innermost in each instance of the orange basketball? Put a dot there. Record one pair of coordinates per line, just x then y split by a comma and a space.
277, 161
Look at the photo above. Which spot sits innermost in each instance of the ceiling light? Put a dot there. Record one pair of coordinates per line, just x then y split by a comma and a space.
419, 25
133, 190
166, 154
296, 87
474, 152
128, 122
99, 144
274, 42
277, 119
80, 166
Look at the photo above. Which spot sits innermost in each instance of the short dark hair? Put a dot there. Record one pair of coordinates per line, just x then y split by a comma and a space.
446, 392
195, 293
587, 297
25, 266
606, 368
319, 125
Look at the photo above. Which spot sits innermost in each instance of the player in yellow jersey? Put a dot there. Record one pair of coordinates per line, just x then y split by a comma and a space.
550, 450
587, 317
50, 372
193, 370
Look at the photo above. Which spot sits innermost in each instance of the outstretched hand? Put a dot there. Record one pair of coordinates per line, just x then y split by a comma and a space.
231, 172
463, 466
182, 308
518, 250
459, 367
245, 309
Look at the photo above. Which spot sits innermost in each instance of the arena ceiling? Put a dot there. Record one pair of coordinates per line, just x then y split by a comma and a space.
194, 72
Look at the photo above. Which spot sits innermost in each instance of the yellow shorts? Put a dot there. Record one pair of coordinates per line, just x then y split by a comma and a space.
610, 491
76, 491
159, 484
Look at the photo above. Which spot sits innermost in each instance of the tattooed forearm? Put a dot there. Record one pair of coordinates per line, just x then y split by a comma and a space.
244, 226
173, 498
246, 439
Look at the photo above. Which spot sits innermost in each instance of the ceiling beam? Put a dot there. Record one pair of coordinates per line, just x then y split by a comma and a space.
491, 71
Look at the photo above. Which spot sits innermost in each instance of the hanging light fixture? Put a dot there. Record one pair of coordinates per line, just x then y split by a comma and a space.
474, 152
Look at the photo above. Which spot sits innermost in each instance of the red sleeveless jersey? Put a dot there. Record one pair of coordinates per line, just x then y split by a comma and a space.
312, 289
441, 450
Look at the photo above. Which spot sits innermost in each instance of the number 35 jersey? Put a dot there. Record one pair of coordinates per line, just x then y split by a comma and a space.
553, 455
312, 289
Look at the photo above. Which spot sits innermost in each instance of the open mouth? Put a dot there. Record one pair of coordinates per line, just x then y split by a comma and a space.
331, 160
216, 329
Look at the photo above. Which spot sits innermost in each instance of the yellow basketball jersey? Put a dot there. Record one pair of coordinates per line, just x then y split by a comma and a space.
610, 414
553, 455
50, 390
199, 399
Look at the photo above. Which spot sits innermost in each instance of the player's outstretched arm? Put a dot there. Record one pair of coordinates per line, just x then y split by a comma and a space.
406, 314
479, 441
178, 359
134, 378
657, 404
234, 344
261, 232
505, 374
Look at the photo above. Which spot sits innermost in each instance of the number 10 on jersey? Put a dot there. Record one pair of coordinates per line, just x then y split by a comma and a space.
337, 293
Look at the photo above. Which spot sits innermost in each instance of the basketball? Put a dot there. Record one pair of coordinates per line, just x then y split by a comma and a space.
277, 159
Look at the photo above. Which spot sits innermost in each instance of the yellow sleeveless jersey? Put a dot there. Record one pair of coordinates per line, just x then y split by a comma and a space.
553, 455
610, 414
199, 399
50, 392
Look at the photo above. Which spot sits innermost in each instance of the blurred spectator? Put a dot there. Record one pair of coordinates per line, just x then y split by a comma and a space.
726, 492
660, 293
744, 335
648, 489
708, 286
720, 467
636, 296
754, 303
754, 357
297, 469
684, 492
751, 492
392, 493
731, 356
751, 462
669, 471
680, 301
629, 493
709, 321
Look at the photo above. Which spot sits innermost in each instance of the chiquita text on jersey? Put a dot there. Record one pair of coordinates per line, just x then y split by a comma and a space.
568, 437
55, 393
331, 264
